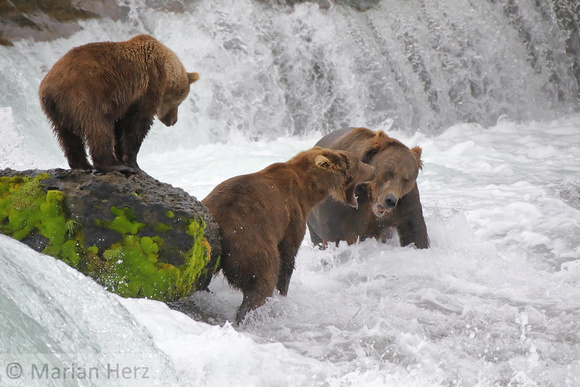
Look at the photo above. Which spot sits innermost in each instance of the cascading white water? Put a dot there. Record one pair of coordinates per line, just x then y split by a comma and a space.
50, 336
271, 70
494, 301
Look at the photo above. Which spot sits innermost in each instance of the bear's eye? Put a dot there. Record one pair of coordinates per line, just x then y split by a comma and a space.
388, 176
406, 181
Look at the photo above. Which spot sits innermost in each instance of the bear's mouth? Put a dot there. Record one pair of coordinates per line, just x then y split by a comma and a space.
379, 210
351, 199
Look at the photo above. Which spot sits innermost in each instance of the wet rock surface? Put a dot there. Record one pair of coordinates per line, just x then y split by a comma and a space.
112, 211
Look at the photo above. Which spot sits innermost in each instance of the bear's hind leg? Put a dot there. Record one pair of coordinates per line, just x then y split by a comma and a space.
67, 132
73, 147
101, 144
252, 300
256, 277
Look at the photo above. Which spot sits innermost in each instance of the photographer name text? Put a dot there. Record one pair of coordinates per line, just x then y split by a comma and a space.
45, 371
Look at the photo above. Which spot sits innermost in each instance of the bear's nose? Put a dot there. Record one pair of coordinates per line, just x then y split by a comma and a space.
390, 201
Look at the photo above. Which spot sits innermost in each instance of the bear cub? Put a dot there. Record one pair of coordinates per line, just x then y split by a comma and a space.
262, 217
389, 202
104, 96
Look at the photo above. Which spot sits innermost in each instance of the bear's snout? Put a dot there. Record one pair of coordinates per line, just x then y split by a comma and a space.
390, 201
169, 119
380, 208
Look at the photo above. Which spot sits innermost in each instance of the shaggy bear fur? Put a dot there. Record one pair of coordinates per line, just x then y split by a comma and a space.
105, 95
389, 202
262, 217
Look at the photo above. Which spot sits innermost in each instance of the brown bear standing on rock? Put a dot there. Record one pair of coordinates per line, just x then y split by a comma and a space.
105, 95
391, 201
262, 217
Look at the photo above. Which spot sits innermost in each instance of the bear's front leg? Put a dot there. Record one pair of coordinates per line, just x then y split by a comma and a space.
130, 131
314, 237
411, 226
287, 249
287, 255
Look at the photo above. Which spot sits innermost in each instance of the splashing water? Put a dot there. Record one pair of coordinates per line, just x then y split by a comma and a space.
271, 70
494, 301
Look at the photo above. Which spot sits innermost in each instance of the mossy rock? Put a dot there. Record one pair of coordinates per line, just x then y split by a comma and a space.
134, 235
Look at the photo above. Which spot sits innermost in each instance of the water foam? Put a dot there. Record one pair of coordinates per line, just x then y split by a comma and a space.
493, 302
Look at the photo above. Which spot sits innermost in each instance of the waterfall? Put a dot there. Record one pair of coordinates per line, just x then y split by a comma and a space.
278, 68
494, 301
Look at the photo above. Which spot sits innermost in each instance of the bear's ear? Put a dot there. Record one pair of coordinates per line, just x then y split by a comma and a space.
380, 139
322, 161
417, 151
377, 143
192, 77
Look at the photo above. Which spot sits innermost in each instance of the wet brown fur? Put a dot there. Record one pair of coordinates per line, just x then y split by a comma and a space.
262, 217
389, 202
104, 96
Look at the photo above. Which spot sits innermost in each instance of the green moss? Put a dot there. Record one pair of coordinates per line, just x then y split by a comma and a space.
148, 246
198, 256
25, 207
162, 228
72, 226
170, 214
124, 222
136, 272
129, 267
69, 253
54, 196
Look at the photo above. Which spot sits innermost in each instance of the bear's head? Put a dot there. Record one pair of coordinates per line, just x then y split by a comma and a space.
173, 96
346, 171
397, 168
